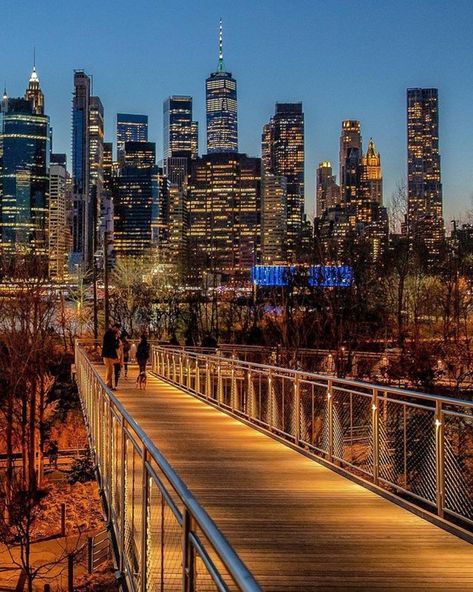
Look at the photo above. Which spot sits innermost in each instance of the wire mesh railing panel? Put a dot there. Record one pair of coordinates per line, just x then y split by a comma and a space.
226, 381
205, 561
117, 502
261, 397
407, 447
283, 408
154, 540
353, 429
203, 581
314, 417
213, 377
458, 464
132, 520
241, 392
172, 550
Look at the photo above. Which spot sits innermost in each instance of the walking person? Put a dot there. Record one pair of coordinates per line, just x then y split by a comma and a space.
109, 352
117, 365
126, 352
142, 354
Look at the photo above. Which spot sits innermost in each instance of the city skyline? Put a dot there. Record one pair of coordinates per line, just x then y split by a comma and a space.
315, 75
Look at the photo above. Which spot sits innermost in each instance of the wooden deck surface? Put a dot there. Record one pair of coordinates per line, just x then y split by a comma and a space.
296, 524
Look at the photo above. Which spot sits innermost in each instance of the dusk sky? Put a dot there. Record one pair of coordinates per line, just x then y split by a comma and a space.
348, 59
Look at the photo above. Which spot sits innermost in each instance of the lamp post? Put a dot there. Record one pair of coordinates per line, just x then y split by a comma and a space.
105, 280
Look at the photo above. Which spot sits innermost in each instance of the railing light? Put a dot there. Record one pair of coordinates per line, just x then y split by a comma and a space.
438, 423
373, 407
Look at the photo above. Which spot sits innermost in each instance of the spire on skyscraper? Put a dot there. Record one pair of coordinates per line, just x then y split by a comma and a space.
371, 148
221, 67
34, 92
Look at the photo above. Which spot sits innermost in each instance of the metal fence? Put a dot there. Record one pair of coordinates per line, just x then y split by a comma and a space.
355, 364
165, 539
415, 445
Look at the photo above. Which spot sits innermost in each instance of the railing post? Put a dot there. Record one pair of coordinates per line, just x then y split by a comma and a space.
188, 554
233, 389
375, 424
181, 369
330, 419
219, 383
439, 455
270, 401
197, 376
249, 397
144, 521
122, 499
297, 410
208, 386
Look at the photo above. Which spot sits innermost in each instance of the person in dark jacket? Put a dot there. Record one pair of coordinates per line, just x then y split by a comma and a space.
109, 352
142, 353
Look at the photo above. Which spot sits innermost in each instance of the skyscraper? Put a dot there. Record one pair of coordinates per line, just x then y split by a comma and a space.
110, 173
355, 209
424, 206
327, 190
24, 173
34, 94
58, 223
224, 204
130, 128
283, 156
82, 224
273, 218
180, 132
371, 180
96, 149
350, 159
180, 141
221, 102
136, 200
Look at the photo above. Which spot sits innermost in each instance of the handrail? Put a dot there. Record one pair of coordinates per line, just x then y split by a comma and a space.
324, 377
237, 571
416, 446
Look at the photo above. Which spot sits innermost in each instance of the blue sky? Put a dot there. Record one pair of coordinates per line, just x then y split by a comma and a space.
345, 59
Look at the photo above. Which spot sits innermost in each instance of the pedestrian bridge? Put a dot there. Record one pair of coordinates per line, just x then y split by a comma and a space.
226, 475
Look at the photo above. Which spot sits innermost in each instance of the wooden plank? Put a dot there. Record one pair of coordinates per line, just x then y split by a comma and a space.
296, 524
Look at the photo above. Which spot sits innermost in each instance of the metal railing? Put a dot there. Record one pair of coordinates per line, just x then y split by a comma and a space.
414, 445
165, 539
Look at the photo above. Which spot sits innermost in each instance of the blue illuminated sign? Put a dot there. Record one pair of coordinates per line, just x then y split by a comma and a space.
323, 276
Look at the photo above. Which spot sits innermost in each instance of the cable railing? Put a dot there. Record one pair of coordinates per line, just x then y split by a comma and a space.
415, 446
165, 540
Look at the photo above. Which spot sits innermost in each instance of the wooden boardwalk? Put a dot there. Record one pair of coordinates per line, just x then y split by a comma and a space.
296, 524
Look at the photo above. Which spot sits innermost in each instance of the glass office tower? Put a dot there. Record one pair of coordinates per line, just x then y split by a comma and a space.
82, 212
221, 103
24, 177
136, 200
425, 223
180, 132
130, 128
283, 156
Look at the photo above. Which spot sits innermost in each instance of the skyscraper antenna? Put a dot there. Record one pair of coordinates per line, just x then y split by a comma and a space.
34, 58
220, 48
